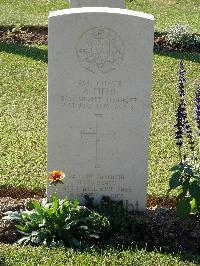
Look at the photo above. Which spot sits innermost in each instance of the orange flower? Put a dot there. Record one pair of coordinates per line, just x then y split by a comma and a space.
56, 176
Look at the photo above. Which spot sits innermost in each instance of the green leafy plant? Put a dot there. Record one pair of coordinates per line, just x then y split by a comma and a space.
121, 221
180, 35
184, 178
186, 174
58, 223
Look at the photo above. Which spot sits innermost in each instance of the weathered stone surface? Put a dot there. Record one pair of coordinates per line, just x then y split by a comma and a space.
99, 83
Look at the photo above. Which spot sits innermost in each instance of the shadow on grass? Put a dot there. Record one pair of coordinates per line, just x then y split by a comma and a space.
193, 57
42, 54
29, 51
185, 256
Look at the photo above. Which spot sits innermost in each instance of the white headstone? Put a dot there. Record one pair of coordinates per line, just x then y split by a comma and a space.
100, 3
99, 83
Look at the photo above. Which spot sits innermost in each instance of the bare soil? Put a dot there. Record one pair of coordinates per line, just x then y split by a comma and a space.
160, 227
29, 35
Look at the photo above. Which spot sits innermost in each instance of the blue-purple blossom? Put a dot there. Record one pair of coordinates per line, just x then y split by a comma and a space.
182, 80
179, 124
186, 126
183, 127
182, 124
197, 107
188, 133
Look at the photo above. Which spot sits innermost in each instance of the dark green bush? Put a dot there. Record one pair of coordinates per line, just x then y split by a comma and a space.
121, 221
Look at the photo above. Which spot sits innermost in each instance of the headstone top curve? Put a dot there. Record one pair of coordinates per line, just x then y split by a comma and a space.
107, 10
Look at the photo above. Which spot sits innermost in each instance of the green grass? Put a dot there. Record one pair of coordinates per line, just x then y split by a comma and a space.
170, 12
163, 153
23, 115
23, 122
166, 12
12, 255
26, 12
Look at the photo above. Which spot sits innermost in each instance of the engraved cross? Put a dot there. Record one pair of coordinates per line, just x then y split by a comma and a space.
96, 134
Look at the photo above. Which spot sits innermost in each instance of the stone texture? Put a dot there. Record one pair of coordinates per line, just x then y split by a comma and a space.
97, 3
99, 85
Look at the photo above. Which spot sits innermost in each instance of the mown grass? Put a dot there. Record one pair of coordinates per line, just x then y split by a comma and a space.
163, 152
166, 12
12, 255
170, 12
25, 12
23, 117
23, 122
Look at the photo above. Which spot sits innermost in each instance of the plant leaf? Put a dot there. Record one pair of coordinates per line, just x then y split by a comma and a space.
175, 180
194, 191
75, 242
39, 236
189, 170
178, 167
12, 215
55, 202
33, 204
185, 188
193, 206
183, 208
20, 227
94, 236
23, 241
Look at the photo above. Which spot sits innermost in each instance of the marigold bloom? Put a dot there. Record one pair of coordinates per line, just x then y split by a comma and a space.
56, 176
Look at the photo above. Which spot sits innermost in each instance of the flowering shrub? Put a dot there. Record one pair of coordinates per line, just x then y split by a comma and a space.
180, 35
186, 174
57, 223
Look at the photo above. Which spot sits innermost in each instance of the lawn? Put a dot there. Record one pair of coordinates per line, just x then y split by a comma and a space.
25, 12
23, 115
169, 12
23, 122
166, 12
12, 256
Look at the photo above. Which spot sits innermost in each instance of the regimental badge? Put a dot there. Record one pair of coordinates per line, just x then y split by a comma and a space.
100, 50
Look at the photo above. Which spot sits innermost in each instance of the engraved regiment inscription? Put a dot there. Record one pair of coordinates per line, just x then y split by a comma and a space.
99, 96
100, 50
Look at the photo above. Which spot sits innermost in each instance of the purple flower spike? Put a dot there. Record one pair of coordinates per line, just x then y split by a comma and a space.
179, 124
182, 79
182, 126
197, 107
188, 132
